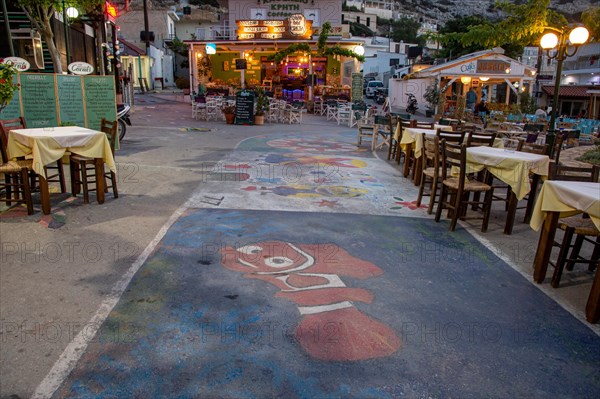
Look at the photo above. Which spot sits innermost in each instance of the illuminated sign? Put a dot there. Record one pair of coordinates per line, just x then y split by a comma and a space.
110, 11
492, 66
295, 27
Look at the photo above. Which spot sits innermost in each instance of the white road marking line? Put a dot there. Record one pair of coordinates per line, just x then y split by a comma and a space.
75, 349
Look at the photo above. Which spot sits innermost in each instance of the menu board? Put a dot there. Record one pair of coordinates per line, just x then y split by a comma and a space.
39, 99
13, 109
244, 108
100, 100
70, 100
357, 86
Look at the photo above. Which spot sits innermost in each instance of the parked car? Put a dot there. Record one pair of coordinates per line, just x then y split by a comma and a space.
372, 87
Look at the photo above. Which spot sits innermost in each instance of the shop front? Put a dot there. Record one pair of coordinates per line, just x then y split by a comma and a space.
282, 56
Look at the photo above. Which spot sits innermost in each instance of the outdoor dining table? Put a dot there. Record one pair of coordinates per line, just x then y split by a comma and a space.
565, 198
48, 145
512, 168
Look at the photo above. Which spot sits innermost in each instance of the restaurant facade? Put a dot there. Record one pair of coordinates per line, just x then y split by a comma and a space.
264, 28
493, 76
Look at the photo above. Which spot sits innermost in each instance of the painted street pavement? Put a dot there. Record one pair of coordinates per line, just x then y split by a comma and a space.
349, 296
307, 172
255, 304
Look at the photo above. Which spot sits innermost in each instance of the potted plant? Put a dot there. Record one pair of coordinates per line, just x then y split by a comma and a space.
262, 105
229, 112
7, 87
432, 96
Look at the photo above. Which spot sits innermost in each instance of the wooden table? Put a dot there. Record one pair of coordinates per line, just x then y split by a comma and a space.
48, 145
513, 168
564, 198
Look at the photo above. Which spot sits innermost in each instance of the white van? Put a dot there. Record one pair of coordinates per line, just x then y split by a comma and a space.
372, 86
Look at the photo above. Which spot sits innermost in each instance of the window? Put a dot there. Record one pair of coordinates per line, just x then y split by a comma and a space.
258, 13
313, 15
369, 22
358, 20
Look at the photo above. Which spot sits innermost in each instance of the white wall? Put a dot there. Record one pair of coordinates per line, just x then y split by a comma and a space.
399, 89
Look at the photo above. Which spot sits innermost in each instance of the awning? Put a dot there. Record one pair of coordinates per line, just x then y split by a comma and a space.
568, 91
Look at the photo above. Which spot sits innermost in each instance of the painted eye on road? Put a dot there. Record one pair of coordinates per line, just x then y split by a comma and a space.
279, 262
250, 249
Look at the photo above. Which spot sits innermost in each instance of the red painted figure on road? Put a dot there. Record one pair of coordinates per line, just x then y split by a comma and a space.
309, 275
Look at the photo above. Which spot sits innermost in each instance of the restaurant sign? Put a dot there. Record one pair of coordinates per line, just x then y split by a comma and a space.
492, 66
20, 64
295, 27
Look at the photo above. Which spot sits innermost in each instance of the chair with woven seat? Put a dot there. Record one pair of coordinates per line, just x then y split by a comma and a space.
456, 137
83, 168
455, 155
431, 170
581, 227
364, 125
15, 176
58, 177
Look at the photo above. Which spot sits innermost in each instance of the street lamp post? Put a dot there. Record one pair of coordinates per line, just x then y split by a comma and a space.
561, 41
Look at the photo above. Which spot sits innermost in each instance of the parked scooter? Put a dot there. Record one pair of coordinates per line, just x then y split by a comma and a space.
380, 96
123, 119
411, 106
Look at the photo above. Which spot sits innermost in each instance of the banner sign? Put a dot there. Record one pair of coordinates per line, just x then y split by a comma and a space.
295, 27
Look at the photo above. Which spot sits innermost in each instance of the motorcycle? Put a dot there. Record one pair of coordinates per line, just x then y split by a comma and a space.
123, 119
411, 106
380, 96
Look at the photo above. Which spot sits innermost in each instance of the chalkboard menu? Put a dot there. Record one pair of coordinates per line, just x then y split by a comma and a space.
13, 109
70, 100
357, 86
100, 100
240, 63
39, 99
244, 108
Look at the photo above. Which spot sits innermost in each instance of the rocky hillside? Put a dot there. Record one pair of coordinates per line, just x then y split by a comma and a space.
443, 10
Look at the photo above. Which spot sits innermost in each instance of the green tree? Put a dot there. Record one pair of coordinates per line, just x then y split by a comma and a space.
521, 26
40, 14
591, 19
357, 29
405, 29
448, 36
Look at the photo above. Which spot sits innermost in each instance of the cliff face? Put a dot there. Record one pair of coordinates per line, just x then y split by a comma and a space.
443, 10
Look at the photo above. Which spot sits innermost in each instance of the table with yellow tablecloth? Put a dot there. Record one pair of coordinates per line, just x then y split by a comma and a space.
558, 199
47, 145
513, 168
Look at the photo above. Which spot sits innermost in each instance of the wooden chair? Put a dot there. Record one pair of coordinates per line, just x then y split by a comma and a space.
16, 176
364, 126
483, 139
581, 227
384, 130
431, 170
58, 177
455, 137
83, 168
424, 125
454, 155
395, 152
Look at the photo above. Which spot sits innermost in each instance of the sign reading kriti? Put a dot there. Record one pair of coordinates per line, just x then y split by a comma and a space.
295, 27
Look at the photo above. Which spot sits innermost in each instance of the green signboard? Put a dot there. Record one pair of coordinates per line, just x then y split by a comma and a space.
100, 100
357, 86
39, 99
70, 100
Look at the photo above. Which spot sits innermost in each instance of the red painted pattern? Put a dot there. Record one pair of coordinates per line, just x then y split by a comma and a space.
331, 328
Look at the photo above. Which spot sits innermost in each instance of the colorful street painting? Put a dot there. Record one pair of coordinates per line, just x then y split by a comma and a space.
256, 304
263, 170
